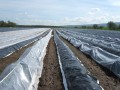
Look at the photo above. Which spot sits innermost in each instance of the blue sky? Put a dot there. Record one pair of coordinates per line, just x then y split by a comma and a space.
60, 12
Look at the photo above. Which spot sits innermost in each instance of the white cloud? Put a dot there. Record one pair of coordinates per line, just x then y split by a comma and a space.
71, 21
92, 20
115, 2
115, 18
94, 11
17, 19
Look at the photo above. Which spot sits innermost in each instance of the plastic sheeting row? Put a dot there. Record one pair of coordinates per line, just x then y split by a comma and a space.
9, 50
96, 36
104, 58
76, 75
108, 44
12, 37
25, 73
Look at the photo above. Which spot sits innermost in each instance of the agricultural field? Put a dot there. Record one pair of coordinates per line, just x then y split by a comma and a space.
59, 59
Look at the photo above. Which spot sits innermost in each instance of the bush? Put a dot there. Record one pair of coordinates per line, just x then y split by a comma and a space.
7, 24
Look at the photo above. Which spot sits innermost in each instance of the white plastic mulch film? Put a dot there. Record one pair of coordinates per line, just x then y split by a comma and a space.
12, 37
25, 73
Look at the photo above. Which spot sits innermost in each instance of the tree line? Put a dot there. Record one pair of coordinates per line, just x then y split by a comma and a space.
13, 24
110, 26
7, 24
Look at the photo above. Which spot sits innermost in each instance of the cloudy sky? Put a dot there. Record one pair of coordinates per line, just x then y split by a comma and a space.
60, 12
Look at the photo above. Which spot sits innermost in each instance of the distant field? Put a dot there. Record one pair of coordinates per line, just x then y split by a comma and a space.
3, 29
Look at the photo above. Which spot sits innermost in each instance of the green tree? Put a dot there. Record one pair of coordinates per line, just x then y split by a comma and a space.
101, 27
7, 24
111, 25
2, 23
95, 26
84, 27
119, 27
11, 24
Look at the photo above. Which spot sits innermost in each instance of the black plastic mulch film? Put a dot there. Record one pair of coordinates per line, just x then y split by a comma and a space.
76, 74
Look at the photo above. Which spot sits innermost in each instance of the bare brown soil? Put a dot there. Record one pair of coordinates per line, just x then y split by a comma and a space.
106, 78
4, 62
51, 78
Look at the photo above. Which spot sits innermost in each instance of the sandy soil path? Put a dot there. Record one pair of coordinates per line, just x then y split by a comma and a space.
51, 78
